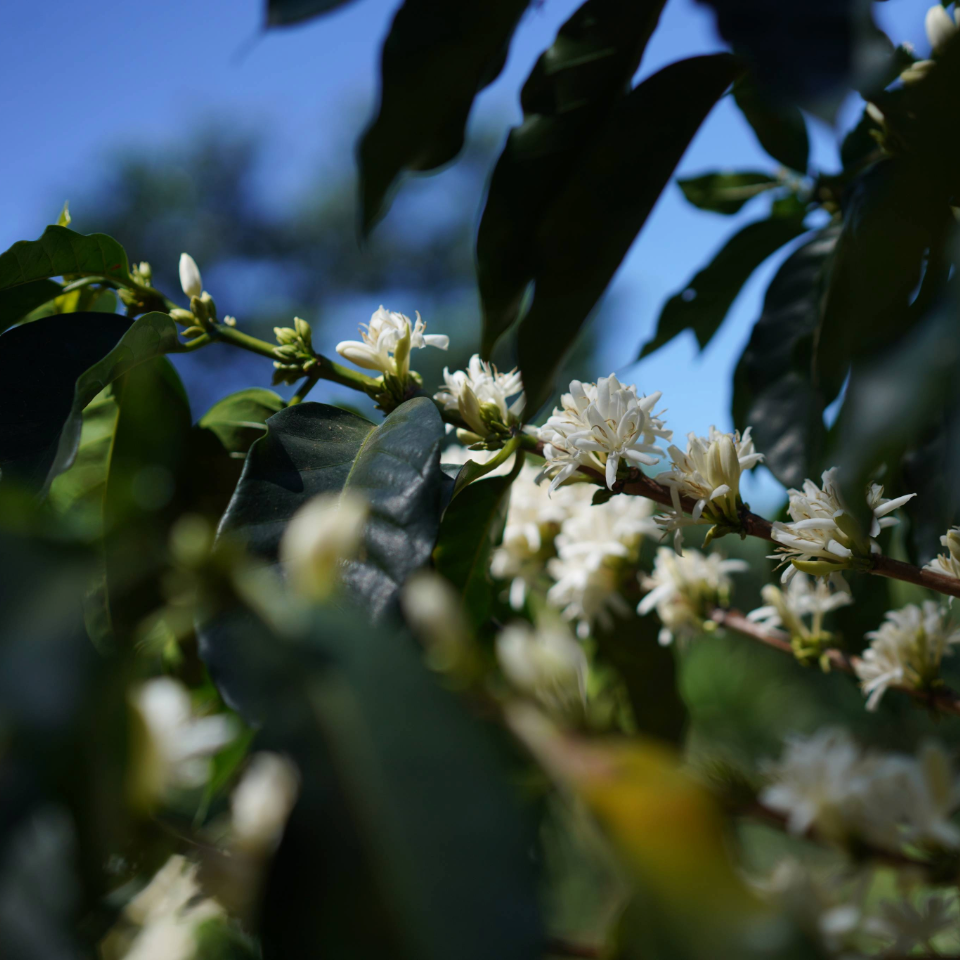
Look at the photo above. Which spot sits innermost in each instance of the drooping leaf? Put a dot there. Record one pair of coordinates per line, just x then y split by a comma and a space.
472, 526
436, 58
81, 353
591, 225
239, 419
726, 192
703, 303
281, 13
62, 252
780, 127
397, 471
773, 388
565, 101
16, 302
308, 449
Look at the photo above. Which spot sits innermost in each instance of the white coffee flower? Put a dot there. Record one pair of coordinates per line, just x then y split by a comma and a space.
709, 472
386, 343
947, 563
169, 911
823, 530
481, 394
941, 27
587, 595
262, 801
912, 925
598, 425
547, 664
684, 588
906, 650
178, 744
803, 597
324, 532
932, 796
534, 518
190, 281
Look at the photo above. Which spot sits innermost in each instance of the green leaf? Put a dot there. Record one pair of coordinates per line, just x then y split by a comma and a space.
79, 354
703, 304
397, 471
591, 225
436, 58
472, 526
62, 252
240, 419
281, 13
780, 127
772, 388
308, 449
17, 302
726, 192
565, 100
474, 469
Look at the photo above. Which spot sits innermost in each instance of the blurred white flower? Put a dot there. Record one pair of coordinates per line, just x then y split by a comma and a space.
709, 472
190, 281
684, 588
597, 425
594, 544
823, 530
480, 394
177, 744
434, 610
324, 532
947, 563
534, 518
547, 664
912, 925
262, 801
932, 796
905, 650
803, 597
941, 27
169, 911
386, 343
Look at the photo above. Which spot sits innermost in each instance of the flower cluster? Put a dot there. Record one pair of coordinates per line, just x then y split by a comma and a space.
823, 537
941, 29
709, 473
906, 650
827, 784
481, 396
597, 426
684, 588
948, 563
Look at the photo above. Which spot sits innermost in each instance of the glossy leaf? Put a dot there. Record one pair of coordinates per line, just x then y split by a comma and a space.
16, 302
436, 59
703, 304
62, 252
780, 127
472, 526
281, 13
591, 225
773, 389
397, 471
565, 101
726, 192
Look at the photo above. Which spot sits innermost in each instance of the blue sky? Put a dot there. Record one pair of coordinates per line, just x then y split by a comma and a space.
79, 79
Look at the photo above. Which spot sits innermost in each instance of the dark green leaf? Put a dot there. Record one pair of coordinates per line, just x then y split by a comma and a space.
472, 526
780, 127
397, 471
590, 226
773, 390
436, 58
18, 301
566, 99
308, 449
704, 302
280, 13
62, 252
79, 354
726, 192
239, 419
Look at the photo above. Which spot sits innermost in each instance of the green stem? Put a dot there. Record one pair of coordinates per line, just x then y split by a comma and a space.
304, 389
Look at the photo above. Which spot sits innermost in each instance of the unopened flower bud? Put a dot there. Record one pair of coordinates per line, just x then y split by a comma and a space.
262, 801
469, 407
190, 280
285, 335
304, 332
181, 316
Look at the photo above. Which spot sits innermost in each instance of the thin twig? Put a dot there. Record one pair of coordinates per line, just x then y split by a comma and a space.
941, 699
